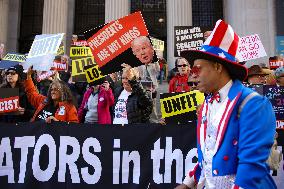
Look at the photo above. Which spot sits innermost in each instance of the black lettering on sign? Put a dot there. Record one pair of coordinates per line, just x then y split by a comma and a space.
176, 104
168, 106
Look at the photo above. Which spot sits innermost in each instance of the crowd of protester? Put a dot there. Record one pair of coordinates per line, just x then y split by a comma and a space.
121, 99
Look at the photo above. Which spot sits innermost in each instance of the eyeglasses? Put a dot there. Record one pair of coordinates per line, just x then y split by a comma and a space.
183, 65
12, 73
195, 70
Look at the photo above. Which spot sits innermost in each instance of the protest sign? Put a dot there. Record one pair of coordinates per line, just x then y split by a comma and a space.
111, 43
158, 44
59, 65
12, 59
45, 75
9, 100
76, 156
93, 74
180, 107
250, 47
78, 40
80, 52
188, 38
60, 50
80, 43
274, 64
43, 51
78, 73
276, 96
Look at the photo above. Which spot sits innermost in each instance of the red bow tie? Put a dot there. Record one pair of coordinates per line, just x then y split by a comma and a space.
213, 97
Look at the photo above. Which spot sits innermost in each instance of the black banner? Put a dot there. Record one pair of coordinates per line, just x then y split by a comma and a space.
37, 155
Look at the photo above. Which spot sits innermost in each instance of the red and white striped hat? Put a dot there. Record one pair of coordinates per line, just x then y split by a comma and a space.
221, 46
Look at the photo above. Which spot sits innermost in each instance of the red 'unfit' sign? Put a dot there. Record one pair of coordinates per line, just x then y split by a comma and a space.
10, 104
116, 37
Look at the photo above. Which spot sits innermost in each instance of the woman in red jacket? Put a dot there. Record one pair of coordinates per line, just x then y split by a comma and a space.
179, 83
57, 106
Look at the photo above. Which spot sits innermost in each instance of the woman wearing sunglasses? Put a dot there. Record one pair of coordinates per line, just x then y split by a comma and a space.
179, 83
14, 77
58, 105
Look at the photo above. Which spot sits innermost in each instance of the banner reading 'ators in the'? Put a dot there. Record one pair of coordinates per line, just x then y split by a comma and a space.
76, 156
111, 43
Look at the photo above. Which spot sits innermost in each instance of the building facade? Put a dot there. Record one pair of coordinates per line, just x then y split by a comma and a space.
21, 20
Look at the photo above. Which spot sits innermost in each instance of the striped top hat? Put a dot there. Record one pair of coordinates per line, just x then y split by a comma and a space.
221, 46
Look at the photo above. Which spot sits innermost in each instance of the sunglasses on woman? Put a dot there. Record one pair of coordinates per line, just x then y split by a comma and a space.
183, 65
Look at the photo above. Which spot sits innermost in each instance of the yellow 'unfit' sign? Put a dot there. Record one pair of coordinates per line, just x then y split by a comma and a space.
181, 103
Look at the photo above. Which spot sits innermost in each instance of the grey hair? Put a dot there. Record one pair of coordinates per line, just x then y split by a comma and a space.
141, 38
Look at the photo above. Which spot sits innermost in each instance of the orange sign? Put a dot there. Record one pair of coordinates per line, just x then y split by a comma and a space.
116, 37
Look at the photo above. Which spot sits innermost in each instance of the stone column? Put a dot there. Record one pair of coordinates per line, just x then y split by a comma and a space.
4, 7
115, 9
179, 13
55, 16
253, 17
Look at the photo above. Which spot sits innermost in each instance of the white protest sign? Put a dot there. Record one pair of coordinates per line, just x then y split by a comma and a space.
43, 51
250, 47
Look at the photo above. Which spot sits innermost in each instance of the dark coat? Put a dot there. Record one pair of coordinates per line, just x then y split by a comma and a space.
139, 104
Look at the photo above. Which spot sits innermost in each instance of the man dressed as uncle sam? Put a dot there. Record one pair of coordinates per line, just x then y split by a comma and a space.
236, 126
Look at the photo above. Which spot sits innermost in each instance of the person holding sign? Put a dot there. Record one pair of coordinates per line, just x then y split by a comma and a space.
14, 79
144, 51
95, 107
179, 83
132, 103
236, 125
58, 105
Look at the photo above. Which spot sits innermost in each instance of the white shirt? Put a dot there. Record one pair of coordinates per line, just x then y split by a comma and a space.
215, 112
92, 106
120, 113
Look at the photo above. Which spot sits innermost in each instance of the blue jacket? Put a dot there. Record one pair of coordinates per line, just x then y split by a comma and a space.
243, 142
